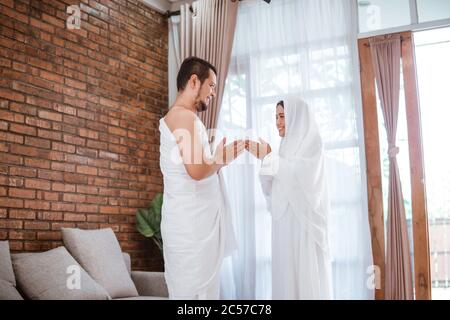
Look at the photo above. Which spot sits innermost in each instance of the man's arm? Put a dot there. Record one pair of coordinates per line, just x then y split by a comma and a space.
196, 162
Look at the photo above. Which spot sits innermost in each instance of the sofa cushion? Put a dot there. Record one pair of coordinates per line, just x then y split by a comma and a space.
127, 259
54, 275
144, 298
99, 253
8, 291
6, 269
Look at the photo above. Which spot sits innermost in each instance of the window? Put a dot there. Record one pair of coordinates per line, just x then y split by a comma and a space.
383, 14
430, 10
433, 71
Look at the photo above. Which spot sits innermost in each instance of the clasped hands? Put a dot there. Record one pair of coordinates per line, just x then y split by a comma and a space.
225, 154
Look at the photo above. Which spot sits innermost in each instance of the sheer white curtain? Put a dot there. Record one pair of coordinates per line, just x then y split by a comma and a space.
305, 48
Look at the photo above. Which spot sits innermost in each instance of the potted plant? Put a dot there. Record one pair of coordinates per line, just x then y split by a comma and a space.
148, 220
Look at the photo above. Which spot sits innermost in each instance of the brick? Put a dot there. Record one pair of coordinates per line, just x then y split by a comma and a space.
87, 208
91, 153
74, 140
87, 189
12, 182
74, 217
109, 210
23, 172
22, 235
64, 147
115, 228
22, 214
36, 246
11, 116
37, 204
63, 187
37, 163
53, 20
42, 25
36, 225
37, 184
11, 95
97, 145
39, 102
51, 76
37, 142
11, 203
65, 109
73, 197
60, 206
129, 194
76, 159
3, 125
15, 246
98, 200
88, 133
75, 84
50, 115
49, 235
38, 123
117, 131
58, 225
75, 178
52, 135
3, 213
87, 170
50, 175
11, 159
97, 218
51, 196
22, 129
22, 193
108, 155
51, 216
63, 166
11, 224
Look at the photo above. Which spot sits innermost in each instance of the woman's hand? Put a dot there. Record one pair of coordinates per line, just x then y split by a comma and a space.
259, 150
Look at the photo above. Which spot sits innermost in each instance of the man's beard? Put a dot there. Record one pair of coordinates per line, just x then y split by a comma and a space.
201, 106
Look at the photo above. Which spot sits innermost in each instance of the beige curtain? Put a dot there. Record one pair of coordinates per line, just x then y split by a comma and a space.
208, 33
386, 53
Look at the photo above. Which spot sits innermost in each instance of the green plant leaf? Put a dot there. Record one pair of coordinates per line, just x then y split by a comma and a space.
148, 221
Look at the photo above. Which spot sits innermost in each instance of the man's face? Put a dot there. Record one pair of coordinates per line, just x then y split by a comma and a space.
206, 92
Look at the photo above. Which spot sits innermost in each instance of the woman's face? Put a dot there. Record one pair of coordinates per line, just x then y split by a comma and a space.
280, 120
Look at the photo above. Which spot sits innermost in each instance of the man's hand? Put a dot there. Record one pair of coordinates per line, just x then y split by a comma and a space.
225, 154
259, 150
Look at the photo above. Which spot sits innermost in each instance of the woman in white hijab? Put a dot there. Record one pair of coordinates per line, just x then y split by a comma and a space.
294, 185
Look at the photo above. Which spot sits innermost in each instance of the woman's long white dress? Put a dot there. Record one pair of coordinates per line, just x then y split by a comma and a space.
294, 185
195, 227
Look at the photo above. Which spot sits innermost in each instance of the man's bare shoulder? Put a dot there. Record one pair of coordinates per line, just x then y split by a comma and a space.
180, 118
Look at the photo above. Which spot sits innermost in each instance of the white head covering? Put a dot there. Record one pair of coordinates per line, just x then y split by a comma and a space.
304, 182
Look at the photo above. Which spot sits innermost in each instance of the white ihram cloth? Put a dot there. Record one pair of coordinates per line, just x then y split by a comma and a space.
294, 185
196, 224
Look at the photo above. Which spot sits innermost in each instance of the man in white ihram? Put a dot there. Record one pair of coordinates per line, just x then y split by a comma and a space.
196, 226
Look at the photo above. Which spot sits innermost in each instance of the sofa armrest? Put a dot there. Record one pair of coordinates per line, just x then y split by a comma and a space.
150, 284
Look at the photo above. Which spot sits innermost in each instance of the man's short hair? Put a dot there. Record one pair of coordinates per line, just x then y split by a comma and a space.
190, 66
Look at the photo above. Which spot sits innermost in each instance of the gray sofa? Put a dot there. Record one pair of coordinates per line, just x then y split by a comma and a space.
90, 266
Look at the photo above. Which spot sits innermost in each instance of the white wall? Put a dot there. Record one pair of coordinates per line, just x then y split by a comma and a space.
159, 5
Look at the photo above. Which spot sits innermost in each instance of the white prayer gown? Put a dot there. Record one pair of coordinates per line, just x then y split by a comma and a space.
294, 185
196, 226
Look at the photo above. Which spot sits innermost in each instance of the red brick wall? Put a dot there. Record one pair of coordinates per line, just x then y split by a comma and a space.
79, 113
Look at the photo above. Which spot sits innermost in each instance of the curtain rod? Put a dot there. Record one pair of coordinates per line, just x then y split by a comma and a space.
177, 13
402, 38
